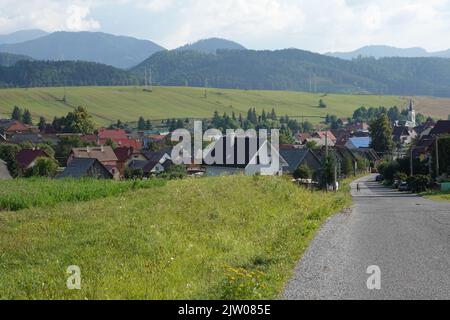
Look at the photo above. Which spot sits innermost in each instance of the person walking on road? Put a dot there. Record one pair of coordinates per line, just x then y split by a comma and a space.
358, 187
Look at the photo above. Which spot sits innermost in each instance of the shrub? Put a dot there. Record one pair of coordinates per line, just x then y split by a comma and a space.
419, 183
44, 167
175, 172
134, 173
303, 172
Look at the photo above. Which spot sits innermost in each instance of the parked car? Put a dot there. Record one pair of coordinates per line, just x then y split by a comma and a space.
379, 178
403, 186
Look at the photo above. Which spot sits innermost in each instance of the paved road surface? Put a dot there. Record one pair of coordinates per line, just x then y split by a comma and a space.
406, 236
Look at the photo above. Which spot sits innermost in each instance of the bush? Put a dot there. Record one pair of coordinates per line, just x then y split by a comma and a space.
44, 167
303, 172
175, 172
134, 173
419, 183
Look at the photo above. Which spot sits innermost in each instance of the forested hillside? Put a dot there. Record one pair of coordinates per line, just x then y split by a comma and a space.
60, 73
294, 69
8, 59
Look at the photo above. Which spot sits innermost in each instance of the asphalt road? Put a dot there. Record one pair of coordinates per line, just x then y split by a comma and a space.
406, 236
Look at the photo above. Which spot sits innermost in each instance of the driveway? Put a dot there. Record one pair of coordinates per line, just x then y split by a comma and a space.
404, 236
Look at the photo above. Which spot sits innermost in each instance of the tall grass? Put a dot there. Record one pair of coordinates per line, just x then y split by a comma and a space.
213, 238
38, 192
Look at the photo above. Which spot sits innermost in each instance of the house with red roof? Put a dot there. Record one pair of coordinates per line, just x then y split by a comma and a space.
119, 136
10, 127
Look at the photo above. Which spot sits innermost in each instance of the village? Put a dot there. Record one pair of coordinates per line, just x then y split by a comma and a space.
320, 156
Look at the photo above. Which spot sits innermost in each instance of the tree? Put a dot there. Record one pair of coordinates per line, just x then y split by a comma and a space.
42, 123
328, 171
381, 133
27, 118
303, 172
17, 114
44, 167
80, 121
148, 125
322, 104
141, 124
8, 154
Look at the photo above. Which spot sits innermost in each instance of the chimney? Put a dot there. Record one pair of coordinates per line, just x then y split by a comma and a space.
88, 149
102, 148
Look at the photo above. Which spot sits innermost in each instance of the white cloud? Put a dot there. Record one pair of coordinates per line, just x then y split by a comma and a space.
321, 25
78, 19
50, 15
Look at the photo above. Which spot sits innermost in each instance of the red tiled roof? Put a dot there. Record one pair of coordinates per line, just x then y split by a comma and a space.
130, 143
112, 134
26, 156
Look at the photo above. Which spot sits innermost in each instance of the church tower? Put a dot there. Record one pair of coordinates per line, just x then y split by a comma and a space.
411, 113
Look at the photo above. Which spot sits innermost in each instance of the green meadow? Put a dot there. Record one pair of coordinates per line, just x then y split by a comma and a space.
213, 238
108, 104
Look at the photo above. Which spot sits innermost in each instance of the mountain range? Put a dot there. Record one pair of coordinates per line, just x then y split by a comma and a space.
294, 69
387, 51
22, 36
86, 58
118, 51
211, 45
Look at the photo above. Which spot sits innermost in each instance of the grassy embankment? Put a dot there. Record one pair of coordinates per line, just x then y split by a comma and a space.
438, 196
212, 238
28, 193
108, 104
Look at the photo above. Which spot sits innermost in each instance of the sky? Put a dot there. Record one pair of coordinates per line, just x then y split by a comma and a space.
315, 25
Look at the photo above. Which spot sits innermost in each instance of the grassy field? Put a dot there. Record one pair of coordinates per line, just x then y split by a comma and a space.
39, 192
108, 104
438, 196
213, 238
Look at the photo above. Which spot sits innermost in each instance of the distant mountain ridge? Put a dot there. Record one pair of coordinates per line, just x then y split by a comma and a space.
211, 45
118, 51
388, 51
22, 36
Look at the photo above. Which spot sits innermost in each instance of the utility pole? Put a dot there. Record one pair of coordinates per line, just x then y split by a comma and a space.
437, 157
206, 88
411, 162
150, 80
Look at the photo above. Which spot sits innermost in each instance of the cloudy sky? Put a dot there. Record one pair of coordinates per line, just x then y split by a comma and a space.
316, 25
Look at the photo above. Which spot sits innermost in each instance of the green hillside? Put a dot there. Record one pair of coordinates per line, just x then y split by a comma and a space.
108, 104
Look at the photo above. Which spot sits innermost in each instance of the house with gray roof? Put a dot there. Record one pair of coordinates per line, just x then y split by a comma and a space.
86, 168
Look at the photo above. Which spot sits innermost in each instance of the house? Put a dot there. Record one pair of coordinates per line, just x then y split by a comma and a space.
403, 135
369, 154
325, 135
86, 168
104, 154
4, 172
358, 142
9, 127
26, 158
124, 155
442, 127
155, 162
250, 162
298, 157
119, 136
358, 127
19, 138
149, 167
